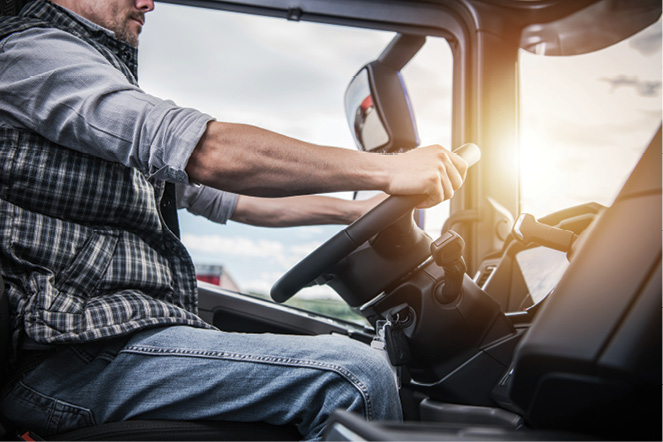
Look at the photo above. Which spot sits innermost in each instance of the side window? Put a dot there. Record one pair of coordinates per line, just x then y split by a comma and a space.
428, 77
289, 78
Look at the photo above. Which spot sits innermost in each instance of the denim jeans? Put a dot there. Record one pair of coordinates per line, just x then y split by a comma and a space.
184, 373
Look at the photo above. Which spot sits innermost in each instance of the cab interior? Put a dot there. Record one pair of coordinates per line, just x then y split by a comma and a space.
478, 357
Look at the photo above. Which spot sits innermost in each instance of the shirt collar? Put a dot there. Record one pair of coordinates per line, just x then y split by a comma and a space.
89, 24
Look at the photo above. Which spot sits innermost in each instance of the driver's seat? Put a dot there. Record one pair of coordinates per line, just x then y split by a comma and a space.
138, 429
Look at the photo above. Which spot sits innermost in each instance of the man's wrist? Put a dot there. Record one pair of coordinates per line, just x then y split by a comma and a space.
376, 169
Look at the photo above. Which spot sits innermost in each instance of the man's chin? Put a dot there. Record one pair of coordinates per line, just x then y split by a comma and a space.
131, 39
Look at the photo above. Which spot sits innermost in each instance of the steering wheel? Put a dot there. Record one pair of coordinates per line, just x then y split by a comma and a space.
347, 240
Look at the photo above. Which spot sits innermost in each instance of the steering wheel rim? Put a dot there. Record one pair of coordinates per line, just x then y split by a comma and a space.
342, 244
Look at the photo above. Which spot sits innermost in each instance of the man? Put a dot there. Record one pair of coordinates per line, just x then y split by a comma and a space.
102, 292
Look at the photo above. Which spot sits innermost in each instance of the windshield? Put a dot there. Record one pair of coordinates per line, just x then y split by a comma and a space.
585, 121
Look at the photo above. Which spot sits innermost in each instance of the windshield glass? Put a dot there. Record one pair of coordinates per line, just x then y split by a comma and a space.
585, 121
289, 78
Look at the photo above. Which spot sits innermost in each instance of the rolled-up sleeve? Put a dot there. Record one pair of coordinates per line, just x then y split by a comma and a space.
56, 85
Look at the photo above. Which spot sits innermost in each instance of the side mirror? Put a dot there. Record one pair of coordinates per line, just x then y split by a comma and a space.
377, 104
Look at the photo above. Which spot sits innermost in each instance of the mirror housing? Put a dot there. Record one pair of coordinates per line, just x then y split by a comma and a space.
377, 104
595, 27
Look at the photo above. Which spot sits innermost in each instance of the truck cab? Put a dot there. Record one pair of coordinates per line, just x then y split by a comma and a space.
527, 306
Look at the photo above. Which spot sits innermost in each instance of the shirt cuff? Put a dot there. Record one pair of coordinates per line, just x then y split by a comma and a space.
215, 205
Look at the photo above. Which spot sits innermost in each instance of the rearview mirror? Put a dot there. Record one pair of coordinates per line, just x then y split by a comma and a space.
377, 104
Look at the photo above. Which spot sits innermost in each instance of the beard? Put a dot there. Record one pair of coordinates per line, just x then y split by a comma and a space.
124, 28
126, 35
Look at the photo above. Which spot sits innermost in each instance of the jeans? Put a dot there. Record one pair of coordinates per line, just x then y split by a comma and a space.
184, 373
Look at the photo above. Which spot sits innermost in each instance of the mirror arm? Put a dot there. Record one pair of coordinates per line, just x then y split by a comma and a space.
401, 50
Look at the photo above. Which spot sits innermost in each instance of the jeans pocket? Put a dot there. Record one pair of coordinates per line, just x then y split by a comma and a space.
44, 415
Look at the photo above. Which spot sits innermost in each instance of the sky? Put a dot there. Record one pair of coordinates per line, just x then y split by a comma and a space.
291, 78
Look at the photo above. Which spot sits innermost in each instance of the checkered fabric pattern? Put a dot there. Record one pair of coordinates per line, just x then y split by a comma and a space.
11, 7
84, 250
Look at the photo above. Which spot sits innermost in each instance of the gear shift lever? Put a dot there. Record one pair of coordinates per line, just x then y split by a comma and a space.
447, 251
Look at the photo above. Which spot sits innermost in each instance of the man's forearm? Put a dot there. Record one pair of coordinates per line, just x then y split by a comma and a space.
253, 161
299, 210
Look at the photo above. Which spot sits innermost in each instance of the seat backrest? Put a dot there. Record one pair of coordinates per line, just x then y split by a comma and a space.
4, 348
591, 361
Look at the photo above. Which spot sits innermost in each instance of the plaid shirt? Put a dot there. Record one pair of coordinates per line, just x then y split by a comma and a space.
84, 248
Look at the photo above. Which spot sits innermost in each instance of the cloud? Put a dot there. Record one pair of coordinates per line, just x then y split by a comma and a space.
238, 246
644, 88
284, 255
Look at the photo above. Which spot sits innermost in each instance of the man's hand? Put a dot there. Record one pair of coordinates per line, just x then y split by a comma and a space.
432, 171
